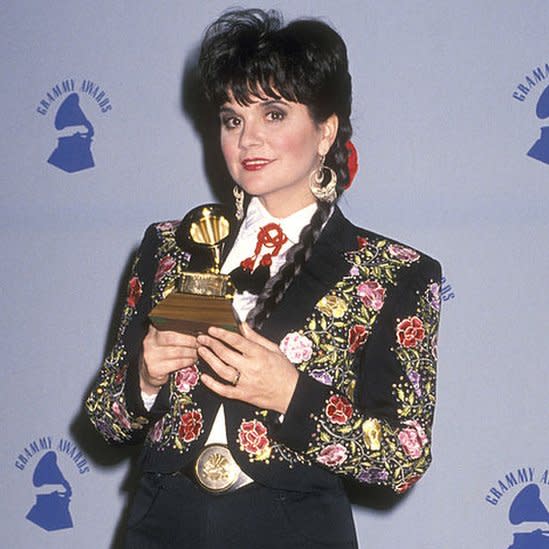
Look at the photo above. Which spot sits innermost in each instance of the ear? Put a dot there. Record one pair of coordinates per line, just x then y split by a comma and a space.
328, 130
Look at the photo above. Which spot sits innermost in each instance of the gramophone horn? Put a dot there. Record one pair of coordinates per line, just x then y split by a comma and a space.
209, 227
47, 472
70, 114
528, 507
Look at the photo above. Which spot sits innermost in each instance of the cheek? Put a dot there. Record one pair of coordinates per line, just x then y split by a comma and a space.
230, 151
301, 145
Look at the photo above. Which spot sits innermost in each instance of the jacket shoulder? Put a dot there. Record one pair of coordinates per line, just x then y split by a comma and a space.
397, 250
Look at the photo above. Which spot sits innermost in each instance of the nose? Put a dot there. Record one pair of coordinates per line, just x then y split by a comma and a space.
251, 134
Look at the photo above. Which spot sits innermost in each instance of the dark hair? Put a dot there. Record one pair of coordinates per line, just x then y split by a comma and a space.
251, 54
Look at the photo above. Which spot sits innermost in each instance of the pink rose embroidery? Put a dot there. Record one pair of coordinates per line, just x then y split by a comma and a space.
121, 414
134, 291
296, 347
412, 439
404, 254
357, 336
339, 410
410, 332
252, 437
332, 455
186, 378
372, 294
165, 226
165, 265
190, 426
156, 432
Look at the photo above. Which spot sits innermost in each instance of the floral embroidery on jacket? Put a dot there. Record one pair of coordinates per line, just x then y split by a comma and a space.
371, 449
106, 404
328, 348
380, 450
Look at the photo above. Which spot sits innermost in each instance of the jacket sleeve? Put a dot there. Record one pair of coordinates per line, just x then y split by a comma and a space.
377, 428
114, 405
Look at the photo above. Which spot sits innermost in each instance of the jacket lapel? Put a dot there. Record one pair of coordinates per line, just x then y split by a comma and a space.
326, 266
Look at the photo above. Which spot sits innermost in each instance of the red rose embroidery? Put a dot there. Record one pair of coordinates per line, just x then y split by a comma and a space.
357, 336
408, 484
332, 455
186, 378
252, 436
339, 409
134, 291
190, 426
410, 331
165, 265
362, 241
120, 376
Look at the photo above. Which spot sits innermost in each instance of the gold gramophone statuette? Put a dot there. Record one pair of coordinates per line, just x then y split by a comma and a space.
202, 299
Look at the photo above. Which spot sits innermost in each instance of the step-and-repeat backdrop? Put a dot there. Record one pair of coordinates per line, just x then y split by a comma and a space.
451, 118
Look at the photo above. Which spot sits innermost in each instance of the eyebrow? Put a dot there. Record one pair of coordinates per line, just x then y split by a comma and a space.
269, 103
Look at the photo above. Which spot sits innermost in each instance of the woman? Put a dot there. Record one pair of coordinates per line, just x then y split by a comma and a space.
333, 372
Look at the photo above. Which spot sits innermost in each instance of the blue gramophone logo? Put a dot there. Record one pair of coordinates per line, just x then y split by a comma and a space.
540, 149
51, 509
73, 151
528, 507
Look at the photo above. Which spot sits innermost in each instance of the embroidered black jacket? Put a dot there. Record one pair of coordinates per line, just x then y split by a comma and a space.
359, 323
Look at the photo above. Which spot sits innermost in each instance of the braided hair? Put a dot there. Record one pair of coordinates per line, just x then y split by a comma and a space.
250, 54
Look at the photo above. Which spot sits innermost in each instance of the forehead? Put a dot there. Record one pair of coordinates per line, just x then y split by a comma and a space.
260, 102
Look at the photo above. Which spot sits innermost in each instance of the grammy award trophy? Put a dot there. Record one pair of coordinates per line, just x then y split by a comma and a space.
201, 299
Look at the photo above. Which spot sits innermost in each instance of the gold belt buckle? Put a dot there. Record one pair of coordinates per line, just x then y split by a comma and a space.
215, 468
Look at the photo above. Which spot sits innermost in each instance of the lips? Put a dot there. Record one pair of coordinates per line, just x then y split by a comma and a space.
254, 164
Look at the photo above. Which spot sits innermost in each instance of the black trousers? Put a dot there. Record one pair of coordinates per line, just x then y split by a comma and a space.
170, 511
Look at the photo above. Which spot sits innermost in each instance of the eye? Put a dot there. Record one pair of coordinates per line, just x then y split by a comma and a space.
276, 115
230, 122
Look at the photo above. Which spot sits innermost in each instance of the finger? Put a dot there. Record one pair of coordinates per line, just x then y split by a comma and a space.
167, 353
169, 338
166, 367
218, 366
250, 334
226, 354
227, 391
233, 339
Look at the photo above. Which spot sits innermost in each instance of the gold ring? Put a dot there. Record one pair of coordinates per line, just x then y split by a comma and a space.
234, 382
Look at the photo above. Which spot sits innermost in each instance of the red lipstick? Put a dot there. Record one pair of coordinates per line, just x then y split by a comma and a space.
254, 164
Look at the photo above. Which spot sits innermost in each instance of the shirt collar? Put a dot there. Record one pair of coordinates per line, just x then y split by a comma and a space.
257, 216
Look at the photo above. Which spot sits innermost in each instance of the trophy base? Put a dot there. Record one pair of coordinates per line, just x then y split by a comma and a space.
193, 314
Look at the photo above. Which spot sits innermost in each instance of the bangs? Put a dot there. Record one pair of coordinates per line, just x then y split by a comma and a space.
254, 79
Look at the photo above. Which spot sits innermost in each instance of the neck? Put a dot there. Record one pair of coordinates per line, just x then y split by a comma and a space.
284, 208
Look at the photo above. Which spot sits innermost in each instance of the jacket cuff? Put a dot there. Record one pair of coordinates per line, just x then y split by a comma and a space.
299, 426
134, 402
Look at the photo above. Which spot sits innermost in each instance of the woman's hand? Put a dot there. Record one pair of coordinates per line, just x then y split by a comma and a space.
255, 368
164, 352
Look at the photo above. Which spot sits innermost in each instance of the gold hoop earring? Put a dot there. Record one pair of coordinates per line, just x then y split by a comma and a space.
238, 194
325, 193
